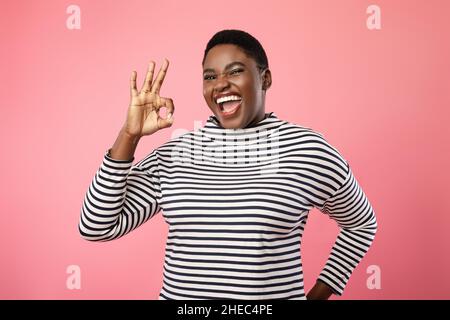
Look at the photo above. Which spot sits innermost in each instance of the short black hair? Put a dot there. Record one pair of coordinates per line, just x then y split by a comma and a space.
245, 41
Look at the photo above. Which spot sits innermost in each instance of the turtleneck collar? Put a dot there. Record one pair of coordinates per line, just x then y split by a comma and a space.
215, 122
261, 130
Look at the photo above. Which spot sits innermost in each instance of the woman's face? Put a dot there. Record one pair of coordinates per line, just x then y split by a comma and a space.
228, 72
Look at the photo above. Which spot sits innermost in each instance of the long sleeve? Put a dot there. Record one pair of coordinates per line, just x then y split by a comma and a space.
120, 198
352, 211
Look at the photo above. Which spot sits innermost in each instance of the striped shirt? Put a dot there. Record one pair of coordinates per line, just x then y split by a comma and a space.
236, 202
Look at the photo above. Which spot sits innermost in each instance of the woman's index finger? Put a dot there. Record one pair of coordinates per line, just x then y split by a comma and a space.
160, 77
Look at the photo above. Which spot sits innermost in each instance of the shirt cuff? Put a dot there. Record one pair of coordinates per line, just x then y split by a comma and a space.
117, 161
336, 285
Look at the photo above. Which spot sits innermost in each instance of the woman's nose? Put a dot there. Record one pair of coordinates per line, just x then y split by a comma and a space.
221, 83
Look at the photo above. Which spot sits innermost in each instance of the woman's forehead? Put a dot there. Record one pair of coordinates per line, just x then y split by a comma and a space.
222, 55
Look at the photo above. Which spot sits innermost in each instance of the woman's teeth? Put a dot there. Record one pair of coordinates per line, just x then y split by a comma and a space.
227, 98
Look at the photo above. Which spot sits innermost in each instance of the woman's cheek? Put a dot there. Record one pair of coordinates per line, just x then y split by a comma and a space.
207, 96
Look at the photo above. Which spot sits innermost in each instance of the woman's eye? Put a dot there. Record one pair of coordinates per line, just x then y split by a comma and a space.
236, 71
207, 77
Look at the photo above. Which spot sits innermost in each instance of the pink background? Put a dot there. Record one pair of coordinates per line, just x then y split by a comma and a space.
381, 97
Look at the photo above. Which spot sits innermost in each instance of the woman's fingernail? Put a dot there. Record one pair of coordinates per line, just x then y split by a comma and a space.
169, 116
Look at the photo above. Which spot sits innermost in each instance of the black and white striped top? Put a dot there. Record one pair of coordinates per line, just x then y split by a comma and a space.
236, 202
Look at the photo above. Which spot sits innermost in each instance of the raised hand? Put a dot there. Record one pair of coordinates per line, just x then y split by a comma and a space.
143, 116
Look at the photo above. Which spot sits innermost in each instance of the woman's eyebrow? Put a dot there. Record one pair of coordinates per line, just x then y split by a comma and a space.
228, 66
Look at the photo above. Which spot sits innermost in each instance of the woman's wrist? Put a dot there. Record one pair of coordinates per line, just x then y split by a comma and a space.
124, 146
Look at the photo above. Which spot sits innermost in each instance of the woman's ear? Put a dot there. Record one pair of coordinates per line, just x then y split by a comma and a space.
266, 79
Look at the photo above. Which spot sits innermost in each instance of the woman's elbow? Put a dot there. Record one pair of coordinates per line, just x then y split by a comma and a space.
92, 237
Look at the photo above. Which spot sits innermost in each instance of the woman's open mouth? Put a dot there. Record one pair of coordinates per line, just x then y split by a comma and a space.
228, 106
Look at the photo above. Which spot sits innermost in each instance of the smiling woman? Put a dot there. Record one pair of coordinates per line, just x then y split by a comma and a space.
236, 193
235, 68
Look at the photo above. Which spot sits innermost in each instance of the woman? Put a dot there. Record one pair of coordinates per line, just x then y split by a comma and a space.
236, 193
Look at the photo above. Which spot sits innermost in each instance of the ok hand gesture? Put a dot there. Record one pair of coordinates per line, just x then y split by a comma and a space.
143, 116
